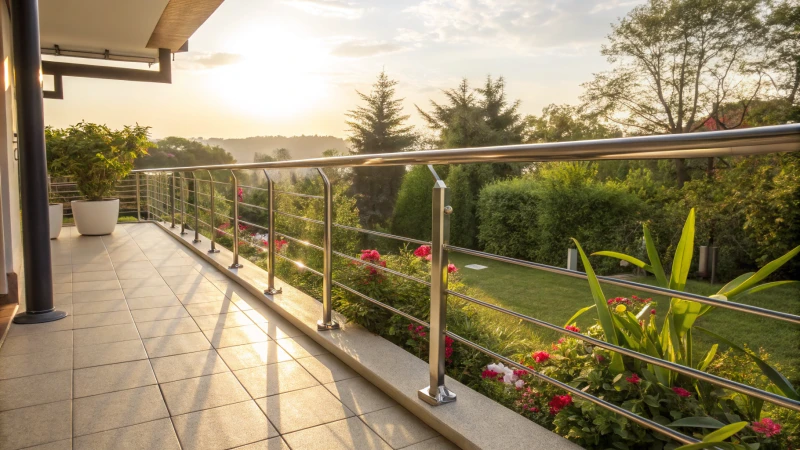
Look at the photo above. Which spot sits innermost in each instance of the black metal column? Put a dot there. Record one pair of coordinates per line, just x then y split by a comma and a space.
33, 166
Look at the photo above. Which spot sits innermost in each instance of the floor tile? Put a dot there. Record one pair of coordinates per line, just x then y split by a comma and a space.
132, 274
211, 308
84, 286
301, 346
193, 277
62, 288
113, 377
65, 444
176, 344
92, 267
163, 301
62, 299
275, 443
202, 297
34, 425
234, 319
280, 329
100, 307
437, 443
142, 282
192, 288
97, 296
224, 427
167, 327
117, 409
103, 319
327, 368
49, 327
149, 291
35, 390
177, 270
195, 394
341, 435
62, 277
156, 435
111, 353
296, 410
62, 268
262, 381
188, 365
105, 275
153, 314
398, 427
360, 395
133, 265
35, 363
33, 343
252, 355
229, 337
105, 335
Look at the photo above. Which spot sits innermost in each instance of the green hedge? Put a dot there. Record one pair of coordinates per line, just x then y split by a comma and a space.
534, 217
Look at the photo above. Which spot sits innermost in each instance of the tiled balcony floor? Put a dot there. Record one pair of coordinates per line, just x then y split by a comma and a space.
162, 351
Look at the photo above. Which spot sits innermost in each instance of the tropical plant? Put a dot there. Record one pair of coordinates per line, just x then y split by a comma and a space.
674, 341
96, 156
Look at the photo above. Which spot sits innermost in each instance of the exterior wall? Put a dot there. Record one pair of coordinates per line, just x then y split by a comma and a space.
9, 165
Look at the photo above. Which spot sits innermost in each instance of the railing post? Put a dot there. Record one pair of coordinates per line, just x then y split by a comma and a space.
138, 199
271, 290
183, 204
235, 264
327, 322
213, 213
437, 393
196, 239
172, 201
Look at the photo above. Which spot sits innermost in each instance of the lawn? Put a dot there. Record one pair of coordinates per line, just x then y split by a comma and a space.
555, 298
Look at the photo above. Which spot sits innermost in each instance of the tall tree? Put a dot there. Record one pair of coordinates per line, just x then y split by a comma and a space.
181, 152
560, 123
474, 118
676, 62
783, 54
379, 126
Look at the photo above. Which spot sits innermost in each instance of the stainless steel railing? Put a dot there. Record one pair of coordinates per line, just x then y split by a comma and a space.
64, 190
160, 204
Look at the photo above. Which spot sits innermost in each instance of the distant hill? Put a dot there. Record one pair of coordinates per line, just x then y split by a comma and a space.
300, 147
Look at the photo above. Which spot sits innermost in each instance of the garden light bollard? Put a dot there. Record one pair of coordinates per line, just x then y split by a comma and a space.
235, 246
172, 201
327, 322
271, 290
212, 214
138, 199
183, 204
196, 239
437, 393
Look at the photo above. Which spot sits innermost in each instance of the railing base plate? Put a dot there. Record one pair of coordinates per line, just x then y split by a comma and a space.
322, 326
235, 265
443, 396
197, 241
273, 291
27, 319
213, 250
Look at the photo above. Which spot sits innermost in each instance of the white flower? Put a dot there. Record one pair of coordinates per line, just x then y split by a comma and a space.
519, 384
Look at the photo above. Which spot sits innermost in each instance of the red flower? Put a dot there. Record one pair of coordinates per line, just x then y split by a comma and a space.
681, 392
422, 251
491, 374
766, 427
240, 194
428, 258
540, 357
370, 255
652, 312
448, 348
633, 379
279, 244
451, 268
559, 402
561, 340
572, 328
520, 372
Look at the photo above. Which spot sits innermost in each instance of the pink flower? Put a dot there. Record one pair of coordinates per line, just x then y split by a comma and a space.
423, 251
540, 357
681, 392
561, 340
370, 255
633, 379
559, 402
572, 328
491, 374
766, 427
428, 258
240, 194
451, 268
520, 372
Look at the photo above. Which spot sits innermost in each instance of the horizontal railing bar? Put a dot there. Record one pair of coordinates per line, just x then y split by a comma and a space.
318, 222
300, 241
253, 224
684, 370
785, 317
254, 206
739, 142
378, 233
680, 437
298, 263
382, 305
297, 194
253, 187
383, 269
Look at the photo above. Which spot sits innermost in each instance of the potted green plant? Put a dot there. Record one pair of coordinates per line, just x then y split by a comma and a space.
96, 157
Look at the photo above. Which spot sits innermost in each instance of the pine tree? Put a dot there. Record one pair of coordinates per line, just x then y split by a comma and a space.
378, 127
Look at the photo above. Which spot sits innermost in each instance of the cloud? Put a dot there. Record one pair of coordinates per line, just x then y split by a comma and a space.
613, 4
328, 8
209, 60
359, 48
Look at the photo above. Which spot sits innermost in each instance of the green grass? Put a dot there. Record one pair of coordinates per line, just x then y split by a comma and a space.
555, 298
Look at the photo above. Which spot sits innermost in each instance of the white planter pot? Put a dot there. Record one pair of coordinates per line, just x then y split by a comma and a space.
56, 218
95, 218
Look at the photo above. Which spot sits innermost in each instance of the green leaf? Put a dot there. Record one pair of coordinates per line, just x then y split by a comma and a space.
702, 445
708, 358
735, 282
764, 272
683, 255
698, 422
635, 261
724, 432
578, 314
684, 314
655, 260
764, 286
781, 383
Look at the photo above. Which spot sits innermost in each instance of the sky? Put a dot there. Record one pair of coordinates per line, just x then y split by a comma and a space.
292, 67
